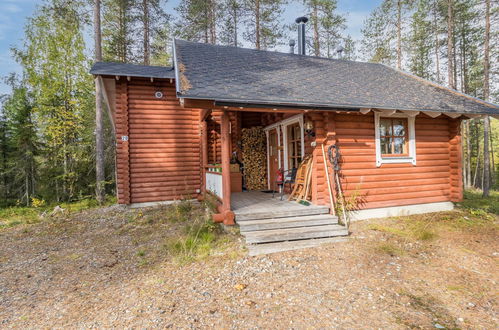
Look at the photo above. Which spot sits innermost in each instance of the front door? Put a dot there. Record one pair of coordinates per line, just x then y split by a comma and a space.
273, 157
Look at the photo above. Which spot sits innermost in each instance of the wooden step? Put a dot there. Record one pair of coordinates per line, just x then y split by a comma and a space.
290, 222
282, 213
267, 248
289, 234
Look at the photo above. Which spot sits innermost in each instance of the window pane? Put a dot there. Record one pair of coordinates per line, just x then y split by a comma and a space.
399, 127
385, 127
386, 145
399, 145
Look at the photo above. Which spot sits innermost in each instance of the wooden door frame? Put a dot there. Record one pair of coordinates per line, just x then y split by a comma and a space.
267, 129
282, 128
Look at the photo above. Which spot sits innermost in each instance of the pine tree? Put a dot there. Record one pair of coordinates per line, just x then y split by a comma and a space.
118, 31
153, 19
421, 42
384, 30
377, 37
99, 127
327, 26
263, 26
486, 94
232, 12
198, 20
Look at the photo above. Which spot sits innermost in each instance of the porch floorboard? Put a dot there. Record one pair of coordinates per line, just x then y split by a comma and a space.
250, 202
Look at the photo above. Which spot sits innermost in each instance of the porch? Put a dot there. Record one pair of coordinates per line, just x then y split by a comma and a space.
286, 144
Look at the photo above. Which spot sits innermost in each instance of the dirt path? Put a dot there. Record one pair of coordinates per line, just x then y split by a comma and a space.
100, 268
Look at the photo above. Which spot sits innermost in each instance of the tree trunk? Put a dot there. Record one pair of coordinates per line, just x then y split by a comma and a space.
315, 23
213, 26
235, 24
257, 24
437, 42
146, 32
468, 155
486, 94
399, 34
99, 132
493, 163
450, 44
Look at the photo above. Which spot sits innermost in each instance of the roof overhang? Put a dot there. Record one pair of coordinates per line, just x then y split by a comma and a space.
237, 104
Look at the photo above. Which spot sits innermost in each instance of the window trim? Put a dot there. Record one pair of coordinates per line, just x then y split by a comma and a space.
284, 126
411, 157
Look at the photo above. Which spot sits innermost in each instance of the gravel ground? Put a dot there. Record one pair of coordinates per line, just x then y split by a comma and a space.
100, 268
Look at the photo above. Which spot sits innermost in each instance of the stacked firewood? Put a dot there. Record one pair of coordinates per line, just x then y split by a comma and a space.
254, 154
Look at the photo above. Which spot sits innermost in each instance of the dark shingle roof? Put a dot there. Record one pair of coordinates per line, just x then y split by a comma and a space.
131, 70
225, 73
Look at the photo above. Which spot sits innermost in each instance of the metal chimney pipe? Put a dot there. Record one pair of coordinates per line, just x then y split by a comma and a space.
292, 46
301, 21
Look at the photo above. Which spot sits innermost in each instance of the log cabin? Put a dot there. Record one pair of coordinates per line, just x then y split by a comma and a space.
179, 128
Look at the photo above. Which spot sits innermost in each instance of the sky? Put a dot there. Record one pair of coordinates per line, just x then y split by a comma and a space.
13, 14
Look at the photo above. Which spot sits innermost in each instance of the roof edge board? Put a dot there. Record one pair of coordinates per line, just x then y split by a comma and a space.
318, 105
175, 67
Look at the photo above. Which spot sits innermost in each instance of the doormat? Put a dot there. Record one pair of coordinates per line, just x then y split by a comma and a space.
269, 191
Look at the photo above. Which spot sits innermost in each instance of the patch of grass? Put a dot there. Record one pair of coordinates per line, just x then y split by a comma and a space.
201, 238
19, 215
410, 229
390, 249
13, 216
474, 202
432, 308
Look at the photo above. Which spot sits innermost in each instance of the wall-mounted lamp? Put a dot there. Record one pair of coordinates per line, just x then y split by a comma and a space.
309, 128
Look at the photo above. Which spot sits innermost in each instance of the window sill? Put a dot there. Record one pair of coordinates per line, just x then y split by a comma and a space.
395, 160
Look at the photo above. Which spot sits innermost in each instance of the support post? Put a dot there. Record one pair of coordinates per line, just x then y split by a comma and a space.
225, 139
204, 153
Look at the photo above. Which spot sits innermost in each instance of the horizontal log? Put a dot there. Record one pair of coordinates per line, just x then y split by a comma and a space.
402, 202
355, 124
165, 194
408, 170
406, 195
163, 183
136, 191
391, 177
425, 132
402, 189
372, 164
151, 174
393, 183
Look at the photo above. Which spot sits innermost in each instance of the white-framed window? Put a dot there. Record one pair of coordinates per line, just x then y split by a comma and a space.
395, 138
293, 138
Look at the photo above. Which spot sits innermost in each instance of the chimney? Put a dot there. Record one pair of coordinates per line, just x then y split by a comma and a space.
301, 34
339, 51
292, 46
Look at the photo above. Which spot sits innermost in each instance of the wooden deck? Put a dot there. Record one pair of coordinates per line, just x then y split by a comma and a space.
251, 202
271, 225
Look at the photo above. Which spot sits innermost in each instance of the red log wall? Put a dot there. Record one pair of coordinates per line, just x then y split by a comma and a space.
161, 159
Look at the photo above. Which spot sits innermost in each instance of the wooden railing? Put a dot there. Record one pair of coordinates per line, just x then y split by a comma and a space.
213, 177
